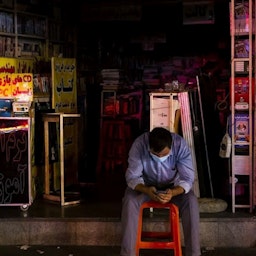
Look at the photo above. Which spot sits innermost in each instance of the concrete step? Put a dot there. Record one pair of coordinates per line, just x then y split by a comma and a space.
57, 250
98, 223
109, 250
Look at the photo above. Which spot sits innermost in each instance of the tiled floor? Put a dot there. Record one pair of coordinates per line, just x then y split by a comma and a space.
97, 202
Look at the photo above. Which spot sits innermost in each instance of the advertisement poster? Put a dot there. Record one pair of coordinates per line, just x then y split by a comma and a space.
16, 65
64, 91
242, 128
8, 65
18, 86
64, 100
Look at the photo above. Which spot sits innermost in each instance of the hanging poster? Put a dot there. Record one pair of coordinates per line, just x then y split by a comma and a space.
64, 96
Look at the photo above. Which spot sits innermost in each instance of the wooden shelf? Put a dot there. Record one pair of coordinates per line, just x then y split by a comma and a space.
62, 197
242, 84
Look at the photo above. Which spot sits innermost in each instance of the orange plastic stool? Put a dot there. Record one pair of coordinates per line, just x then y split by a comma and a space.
160, 240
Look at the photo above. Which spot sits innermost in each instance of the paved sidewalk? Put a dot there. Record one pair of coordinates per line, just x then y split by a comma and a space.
43, 250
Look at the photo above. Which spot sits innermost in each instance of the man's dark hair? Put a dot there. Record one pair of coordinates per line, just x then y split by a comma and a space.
159, 138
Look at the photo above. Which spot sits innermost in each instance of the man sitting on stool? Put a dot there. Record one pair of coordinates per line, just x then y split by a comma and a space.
160, 160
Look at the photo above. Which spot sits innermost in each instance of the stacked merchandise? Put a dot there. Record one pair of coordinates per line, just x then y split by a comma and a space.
242, 48
112, 79
241, 10
41, 84
242, 83
151, 76
181, 69
6, 46
167, 74
6, 26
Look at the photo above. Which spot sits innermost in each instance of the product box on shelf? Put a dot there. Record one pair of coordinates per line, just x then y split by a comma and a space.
163, 109
109, 106
241, 133
5, 107
242, 48
241, 17
241, 93
242, 166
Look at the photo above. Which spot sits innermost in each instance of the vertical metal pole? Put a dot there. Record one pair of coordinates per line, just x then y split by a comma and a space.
61, 134
205, 144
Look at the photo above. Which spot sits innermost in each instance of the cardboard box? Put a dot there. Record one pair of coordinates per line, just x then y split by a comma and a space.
163, 107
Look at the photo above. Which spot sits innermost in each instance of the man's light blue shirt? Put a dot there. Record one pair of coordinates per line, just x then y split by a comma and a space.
177, 168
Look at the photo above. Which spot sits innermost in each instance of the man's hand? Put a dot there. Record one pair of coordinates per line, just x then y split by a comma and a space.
163, 196
150, 191
166, 196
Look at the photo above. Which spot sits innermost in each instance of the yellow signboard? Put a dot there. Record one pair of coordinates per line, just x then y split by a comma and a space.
16, 65
8, 65
64, 100
18, 86
64, 91
25, 65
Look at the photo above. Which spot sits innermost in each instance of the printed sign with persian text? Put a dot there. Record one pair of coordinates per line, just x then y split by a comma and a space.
64, 98
18, 86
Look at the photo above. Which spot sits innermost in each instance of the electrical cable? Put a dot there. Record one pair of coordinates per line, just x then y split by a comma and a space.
223, 104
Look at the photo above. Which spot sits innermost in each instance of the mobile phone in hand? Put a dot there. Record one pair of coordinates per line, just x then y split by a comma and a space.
161, 192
